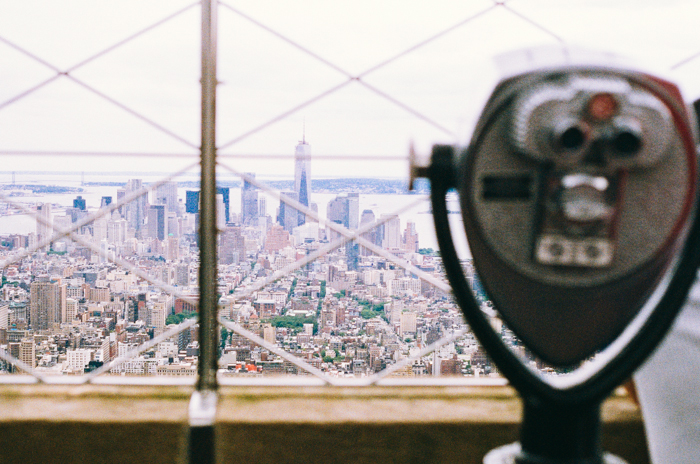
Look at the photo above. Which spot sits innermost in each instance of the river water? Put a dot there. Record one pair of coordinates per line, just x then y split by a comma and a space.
378, 203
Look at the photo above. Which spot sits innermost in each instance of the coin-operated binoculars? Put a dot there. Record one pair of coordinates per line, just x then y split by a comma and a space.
578, 194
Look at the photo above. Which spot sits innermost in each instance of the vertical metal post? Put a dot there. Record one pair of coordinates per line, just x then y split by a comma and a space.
202, 410
207, 220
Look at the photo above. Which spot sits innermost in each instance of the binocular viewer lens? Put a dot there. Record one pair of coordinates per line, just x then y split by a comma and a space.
571, 138
626, 142
589, 119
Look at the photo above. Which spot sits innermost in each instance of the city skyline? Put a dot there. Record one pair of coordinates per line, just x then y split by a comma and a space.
85, 300
161, 227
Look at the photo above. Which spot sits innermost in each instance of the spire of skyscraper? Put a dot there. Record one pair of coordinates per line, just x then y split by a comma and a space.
302, 173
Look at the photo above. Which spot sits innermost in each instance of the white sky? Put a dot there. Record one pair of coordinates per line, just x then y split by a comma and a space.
157, 74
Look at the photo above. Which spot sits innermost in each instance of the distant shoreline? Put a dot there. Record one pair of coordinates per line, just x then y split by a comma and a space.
339, 185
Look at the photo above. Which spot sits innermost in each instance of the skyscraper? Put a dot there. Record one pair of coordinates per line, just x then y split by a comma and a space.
336, 211
71, 310
27, 352
371, 235
302, 176
410, 238
4, 317
277, 239
135, 211
353, 210
79, 203
192, 201
391, 238
288, 216
232, 246
44, 228
344, 210
220, 211
121, 193
225, 192
262, 207
157, 227
46, 304
249, 202
79, 209
352, 253
166, 194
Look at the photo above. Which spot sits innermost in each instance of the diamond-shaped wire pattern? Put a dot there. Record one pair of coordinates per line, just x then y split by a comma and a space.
241, 314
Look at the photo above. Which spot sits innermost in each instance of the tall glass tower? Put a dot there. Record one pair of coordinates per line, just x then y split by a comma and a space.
136, 209
302, 175
249, 203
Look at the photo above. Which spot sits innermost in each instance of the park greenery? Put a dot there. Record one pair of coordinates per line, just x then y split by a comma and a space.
428, 252
370, 310
295, 323
332, 356
179, 317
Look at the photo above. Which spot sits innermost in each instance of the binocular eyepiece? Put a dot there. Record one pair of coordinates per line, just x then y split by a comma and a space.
581, 119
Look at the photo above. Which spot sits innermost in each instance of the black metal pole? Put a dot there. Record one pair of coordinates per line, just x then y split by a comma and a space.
561, 433
202, 409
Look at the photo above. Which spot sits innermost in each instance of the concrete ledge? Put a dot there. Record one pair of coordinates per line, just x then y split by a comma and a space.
111, 424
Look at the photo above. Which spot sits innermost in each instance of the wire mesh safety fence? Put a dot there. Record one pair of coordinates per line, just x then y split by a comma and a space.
366, 348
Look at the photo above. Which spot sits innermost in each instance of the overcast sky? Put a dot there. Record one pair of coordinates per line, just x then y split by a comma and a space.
262, 76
